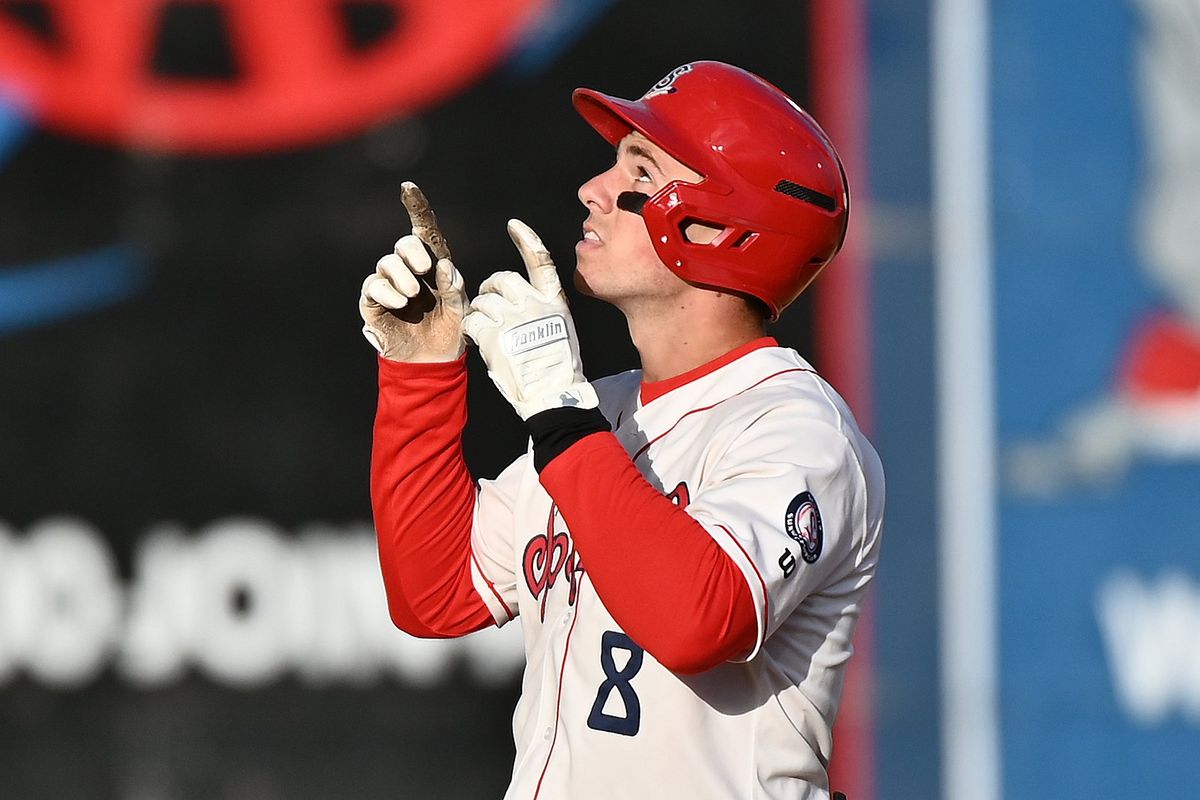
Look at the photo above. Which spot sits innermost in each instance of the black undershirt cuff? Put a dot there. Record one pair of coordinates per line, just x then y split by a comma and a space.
556, 429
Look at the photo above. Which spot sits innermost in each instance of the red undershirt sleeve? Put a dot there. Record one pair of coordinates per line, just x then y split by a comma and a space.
663, 578
423, 499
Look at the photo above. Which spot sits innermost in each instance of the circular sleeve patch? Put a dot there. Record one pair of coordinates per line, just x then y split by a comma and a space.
803, 524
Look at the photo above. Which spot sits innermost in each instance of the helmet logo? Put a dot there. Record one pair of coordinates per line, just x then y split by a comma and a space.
667, 84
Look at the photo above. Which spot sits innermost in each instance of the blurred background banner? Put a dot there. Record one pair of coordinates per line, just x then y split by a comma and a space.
1095, 130
190, 196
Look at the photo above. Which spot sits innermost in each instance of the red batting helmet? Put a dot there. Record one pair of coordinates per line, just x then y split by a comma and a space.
771, 179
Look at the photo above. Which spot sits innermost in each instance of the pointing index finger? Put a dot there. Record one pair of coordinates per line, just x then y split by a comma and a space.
543, 275
424, 223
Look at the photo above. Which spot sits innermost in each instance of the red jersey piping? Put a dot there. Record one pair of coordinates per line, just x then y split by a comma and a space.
753, 566
646, 446
652, 390
492, 587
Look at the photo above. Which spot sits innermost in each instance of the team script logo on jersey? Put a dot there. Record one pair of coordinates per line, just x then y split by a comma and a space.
547, 556
803, 524
679, 495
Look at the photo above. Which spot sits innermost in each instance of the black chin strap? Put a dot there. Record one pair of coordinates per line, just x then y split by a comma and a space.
632, 202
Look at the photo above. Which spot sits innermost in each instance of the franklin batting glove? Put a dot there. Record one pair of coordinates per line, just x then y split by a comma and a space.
526, 336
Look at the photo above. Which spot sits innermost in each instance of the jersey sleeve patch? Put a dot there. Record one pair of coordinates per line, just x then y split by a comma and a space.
803, 524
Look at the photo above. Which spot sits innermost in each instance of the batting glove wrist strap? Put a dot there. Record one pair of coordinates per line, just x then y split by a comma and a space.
555, 430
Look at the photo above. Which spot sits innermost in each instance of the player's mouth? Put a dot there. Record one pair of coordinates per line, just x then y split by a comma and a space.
590, 239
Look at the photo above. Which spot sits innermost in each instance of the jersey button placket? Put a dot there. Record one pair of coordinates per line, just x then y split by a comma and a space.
554, 656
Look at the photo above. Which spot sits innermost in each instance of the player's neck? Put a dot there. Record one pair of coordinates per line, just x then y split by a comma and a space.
673, 342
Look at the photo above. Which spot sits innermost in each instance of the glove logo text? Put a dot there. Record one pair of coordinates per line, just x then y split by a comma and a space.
534, 334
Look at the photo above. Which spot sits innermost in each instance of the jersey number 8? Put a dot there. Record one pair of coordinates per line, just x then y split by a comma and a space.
617, 679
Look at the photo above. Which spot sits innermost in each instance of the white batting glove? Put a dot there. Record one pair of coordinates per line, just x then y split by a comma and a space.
525, 333
406, 318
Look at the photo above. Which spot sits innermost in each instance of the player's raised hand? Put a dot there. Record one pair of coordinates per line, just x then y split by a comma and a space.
525, 333
412, 307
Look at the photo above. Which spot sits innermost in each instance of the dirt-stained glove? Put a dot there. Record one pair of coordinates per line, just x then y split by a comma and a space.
412, 309
525, 333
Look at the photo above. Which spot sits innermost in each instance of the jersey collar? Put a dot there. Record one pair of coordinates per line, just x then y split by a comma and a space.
652, 390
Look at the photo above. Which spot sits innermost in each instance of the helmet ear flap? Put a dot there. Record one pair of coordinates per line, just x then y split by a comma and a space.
684, 231
668, 219
746, 256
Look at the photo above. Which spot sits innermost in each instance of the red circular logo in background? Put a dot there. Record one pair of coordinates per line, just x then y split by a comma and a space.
299, 80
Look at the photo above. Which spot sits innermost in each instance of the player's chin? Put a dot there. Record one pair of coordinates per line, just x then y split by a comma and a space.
581, 282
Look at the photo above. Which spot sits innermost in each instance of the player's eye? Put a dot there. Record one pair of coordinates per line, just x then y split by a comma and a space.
643, 176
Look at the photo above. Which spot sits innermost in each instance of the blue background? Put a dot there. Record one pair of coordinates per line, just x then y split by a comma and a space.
1067, 174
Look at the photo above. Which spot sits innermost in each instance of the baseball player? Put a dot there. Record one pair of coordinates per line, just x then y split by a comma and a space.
687, 545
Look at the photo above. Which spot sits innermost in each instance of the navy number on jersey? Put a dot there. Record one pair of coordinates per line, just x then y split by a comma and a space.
617, 680
787, 563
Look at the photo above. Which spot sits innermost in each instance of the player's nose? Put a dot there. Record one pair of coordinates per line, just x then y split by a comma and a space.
596, 193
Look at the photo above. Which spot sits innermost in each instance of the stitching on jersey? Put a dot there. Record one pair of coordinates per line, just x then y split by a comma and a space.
866, 513
562, 671
841, 426
862, 477
647, 445
492, 587
766, 595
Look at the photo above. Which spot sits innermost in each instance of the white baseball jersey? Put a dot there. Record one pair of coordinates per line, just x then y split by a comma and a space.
768, 459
